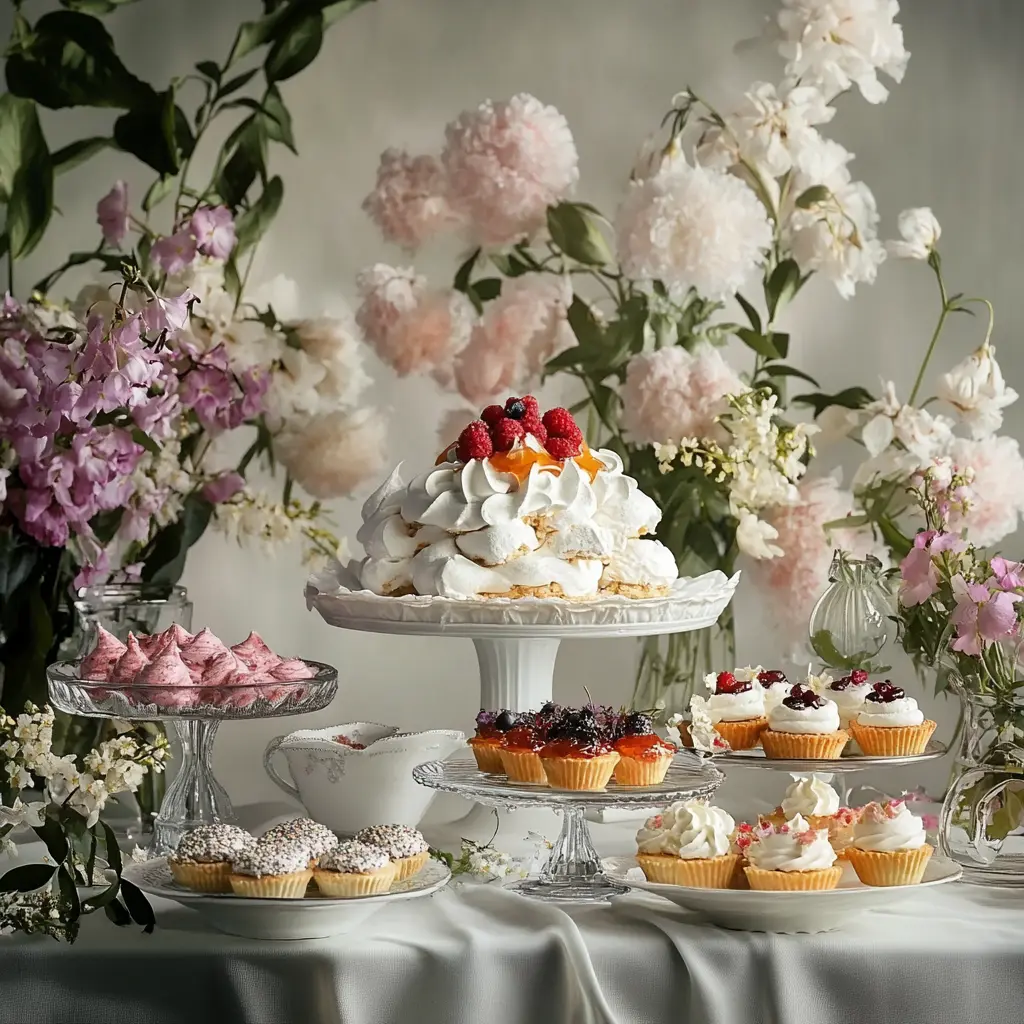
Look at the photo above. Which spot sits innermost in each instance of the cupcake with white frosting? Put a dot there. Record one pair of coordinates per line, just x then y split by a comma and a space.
736, 707
890, 724
775, 686
405, 846
202, 861
889, 845
354, 869
689, 843
273, 868
804, 725
817, 803
792, 856
317, 839
848, 693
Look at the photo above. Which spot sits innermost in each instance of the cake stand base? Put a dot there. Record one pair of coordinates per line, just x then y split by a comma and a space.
597, 890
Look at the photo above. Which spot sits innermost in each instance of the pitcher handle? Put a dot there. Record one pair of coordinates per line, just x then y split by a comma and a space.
268, 767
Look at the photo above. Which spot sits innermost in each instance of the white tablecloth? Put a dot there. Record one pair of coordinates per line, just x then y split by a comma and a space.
476, 955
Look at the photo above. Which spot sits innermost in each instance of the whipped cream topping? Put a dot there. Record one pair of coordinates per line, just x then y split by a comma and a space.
688, 829
736, 707
809, 795
890, 714
354, 858
99, 662
470, 530
397, 841
818, 720
887, 827
794, 846
209, 844
850, 700
130, 664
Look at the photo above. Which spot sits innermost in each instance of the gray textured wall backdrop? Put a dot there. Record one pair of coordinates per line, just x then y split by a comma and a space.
394, 73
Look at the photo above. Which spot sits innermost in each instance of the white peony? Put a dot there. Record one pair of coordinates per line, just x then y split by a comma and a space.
919, 232
976, 389
836, 44
692, 227
820, 161
754, 537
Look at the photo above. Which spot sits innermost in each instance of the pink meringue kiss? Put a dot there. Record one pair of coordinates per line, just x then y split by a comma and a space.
226, 670
100, 661
178, 634
166, 681
255, 653
130, 664
291, 670
202, 649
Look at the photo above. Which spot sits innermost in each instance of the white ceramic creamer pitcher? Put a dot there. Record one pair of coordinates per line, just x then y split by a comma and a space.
347, 789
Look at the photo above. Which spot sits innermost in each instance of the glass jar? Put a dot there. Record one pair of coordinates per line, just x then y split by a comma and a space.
982, 822
849, 624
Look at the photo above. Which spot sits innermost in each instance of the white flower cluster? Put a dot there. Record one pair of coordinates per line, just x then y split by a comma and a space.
160, 484
760, 467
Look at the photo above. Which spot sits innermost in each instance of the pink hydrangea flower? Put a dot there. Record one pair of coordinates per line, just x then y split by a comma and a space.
409, 203
213, 228
113, 216
506, 164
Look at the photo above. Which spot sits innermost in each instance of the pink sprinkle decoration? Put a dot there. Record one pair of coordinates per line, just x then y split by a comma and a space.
806, 838
745, 828
656, 821
745, 841
872, 813
782, 829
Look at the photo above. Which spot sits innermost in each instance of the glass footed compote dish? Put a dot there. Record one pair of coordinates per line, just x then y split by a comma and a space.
195, 797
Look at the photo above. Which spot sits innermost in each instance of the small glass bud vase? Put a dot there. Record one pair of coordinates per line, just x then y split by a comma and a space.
850, 622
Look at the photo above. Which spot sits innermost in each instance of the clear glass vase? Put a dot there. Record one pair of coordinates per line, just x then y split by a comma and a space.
850, 623
982, 822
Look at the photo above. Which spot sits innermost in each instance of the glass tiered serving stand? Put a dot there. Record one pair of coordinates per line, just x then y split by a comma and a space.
573, 870
195, 797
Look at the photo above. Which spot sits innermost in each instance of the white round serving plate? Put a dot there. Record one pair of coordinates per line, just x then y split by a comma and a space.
852, 763
314, 917
692, 603
756, 911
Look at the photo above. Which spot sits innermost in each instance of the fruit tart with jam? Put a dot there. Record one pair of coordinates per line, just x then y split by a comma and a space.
578, 754
519, 747
644, 756
491, 727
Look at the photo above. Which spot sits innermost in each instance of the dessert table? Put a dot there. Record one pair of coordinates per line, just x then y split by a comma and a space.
475, 953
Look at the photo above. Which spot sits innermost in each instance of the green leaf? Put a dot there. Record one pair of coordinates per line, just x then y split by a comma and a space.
164, 558
110, 262
69, 892
752, 314
849, 398
780, 288
234, 84
761, 344
246, 162
157, 132
584, 324
158, 192
252, 225
110, 847
209, 69
824, 647
26, 175
509, 264
116, 913
53, 836
486, 288
278, 122
27, 877
78, 152
898, 542
779, 370
18, 558
68, 60
95, 6
139, 436
463, 274
339, 8
815, 194
296, 48
779, 342
577, 235
138, 906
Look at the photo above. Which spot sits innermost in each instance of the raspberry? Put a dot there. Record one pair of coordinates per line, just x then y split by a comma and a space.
532, 407
559, 423
532, 425
562, 448
492, 414
475, 442
506, 433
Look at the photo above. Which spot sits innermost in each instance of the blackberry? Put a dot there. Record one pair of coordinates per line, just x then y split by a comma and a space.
506, 720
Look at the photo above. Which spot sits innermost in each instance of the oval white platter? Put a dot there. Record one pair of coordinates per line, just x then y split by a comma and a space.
754, 911
314, 917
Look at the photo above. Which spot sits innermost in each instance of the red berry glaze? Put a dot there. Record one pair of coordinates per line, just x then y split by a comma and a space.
492, 414
728, 683
475, 442
505, 434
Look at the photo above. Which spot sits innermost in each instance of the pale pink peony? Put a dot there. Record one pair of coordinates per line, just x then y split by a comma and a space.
333, 454
670, 394
427, 337
409, 202
506, 164
796, 581
520, 331
386, 293
997, 490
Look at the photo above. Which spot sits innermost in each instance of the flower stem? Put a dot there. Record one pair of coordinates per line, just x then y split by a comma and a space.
933, 262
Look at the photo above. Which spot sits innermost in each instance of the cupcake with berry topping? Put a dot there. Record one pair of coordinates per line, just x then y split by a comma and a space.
689, 843
317, 839
804, 725
578, 754
202, 861
736, 707
272, 868
354, 869
889, 845
775, 686
792, 857
644, 756
890, 724
491, 727
518, 753
848, 693
405, 846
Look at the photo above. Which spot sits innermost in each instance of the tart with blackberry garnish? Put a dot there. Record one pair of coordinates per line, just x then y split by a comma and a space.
804, 725
578, 755
491, 727
518, 750
644, 755
736, 707
890, 723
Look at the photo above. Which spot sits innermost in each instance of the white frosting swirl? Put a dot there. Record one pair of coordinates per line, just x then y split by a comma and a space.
792, 850
641, 559
494, 545
889, 714
809, 796
688, 829
888, 828
849, 701
824, 719
736, 707
775, 695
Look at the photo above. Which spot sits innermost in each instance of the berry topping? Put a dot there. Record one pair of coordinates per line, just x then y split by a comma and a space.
532, 425
506, 720
532, 406
561, 448
771, 677
728, 683
475, 442
858, 676
515, 408
559, 423
803, 698
506, 432
548, 713
885, 693
524, 737
636, 724
492, 414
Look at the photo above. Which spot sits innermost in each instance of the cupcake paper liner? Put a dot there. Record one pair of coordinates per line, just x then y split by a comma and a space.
522, 766
406, 867
635, 771
896, 867
806, 745
710, 873
742, 735
894, 741
342, 883
288, 887
794, 881
202, 877
488, 757
739, 874
580, 773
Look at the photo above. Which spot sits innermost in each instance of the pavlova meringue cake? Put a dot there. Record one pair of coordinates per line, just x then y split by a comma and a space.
519, 506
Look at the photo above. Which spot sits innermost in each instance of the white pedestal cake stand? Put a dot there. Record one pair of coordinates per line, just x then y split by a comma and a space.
516, 643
